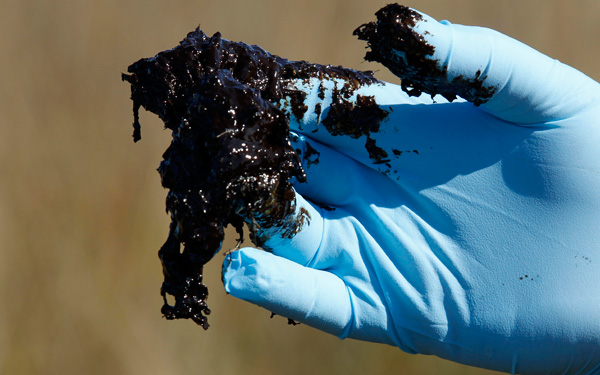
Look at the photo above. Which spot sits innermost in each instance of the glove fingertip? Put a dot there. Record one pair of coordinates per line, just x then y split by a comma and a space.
236, 266
316, 298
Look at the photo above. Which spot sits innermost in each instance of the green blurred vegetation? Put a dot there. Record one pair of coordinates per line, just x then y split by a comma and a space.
82, 210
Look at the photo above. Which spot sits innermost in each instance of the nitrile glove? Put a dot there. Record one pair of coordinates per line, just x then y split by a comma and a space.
476, 237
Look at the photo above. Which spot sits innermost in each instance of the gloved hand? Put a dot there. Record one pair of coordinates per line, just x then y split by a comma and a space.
465, 231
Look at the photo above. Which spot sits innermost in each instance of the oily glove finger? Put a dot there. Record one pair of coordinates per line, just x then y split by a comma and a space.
509, 79
336, 187
332, 178
383, 128
325, 237
416, 146
317, 298
302, 242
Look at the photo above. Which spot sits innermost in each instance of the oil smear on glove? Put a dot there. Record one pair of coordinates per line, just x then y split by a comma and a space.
230, 161
395, 43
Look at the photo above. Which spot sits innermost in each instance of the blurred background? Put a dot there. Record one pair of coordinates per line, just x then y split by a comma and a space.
82, 210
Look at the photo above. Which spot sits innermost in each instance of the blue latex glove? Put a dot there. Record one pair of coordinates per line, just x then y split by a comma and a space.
476, 240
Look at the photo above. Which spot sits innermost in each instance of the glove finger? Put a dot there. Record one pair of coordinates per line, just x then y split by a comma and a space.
332, 178
332, 109
325, 237
415, 147
385, 133
509, 79
299, 236
316, 298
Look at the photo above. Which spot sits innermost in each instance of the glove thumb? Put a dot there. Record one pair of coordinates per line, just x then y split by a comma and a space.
317, 298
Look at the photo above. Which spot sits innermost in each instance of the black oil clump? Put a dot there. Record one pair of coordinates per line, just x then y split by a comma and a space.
357, 118
230, 161
394, 30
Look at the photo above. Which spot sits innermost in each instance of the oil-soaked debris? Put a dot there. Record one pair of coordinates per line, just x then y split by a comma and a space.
356, 118
230, 161
376, 153
399, 153
353, 118
297, 103
318, 110
311, 155
291, 322
321, 93
394, 31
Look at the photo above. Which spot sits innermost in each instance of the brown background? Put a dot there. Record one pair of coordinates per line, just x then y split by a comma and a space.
82, 210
